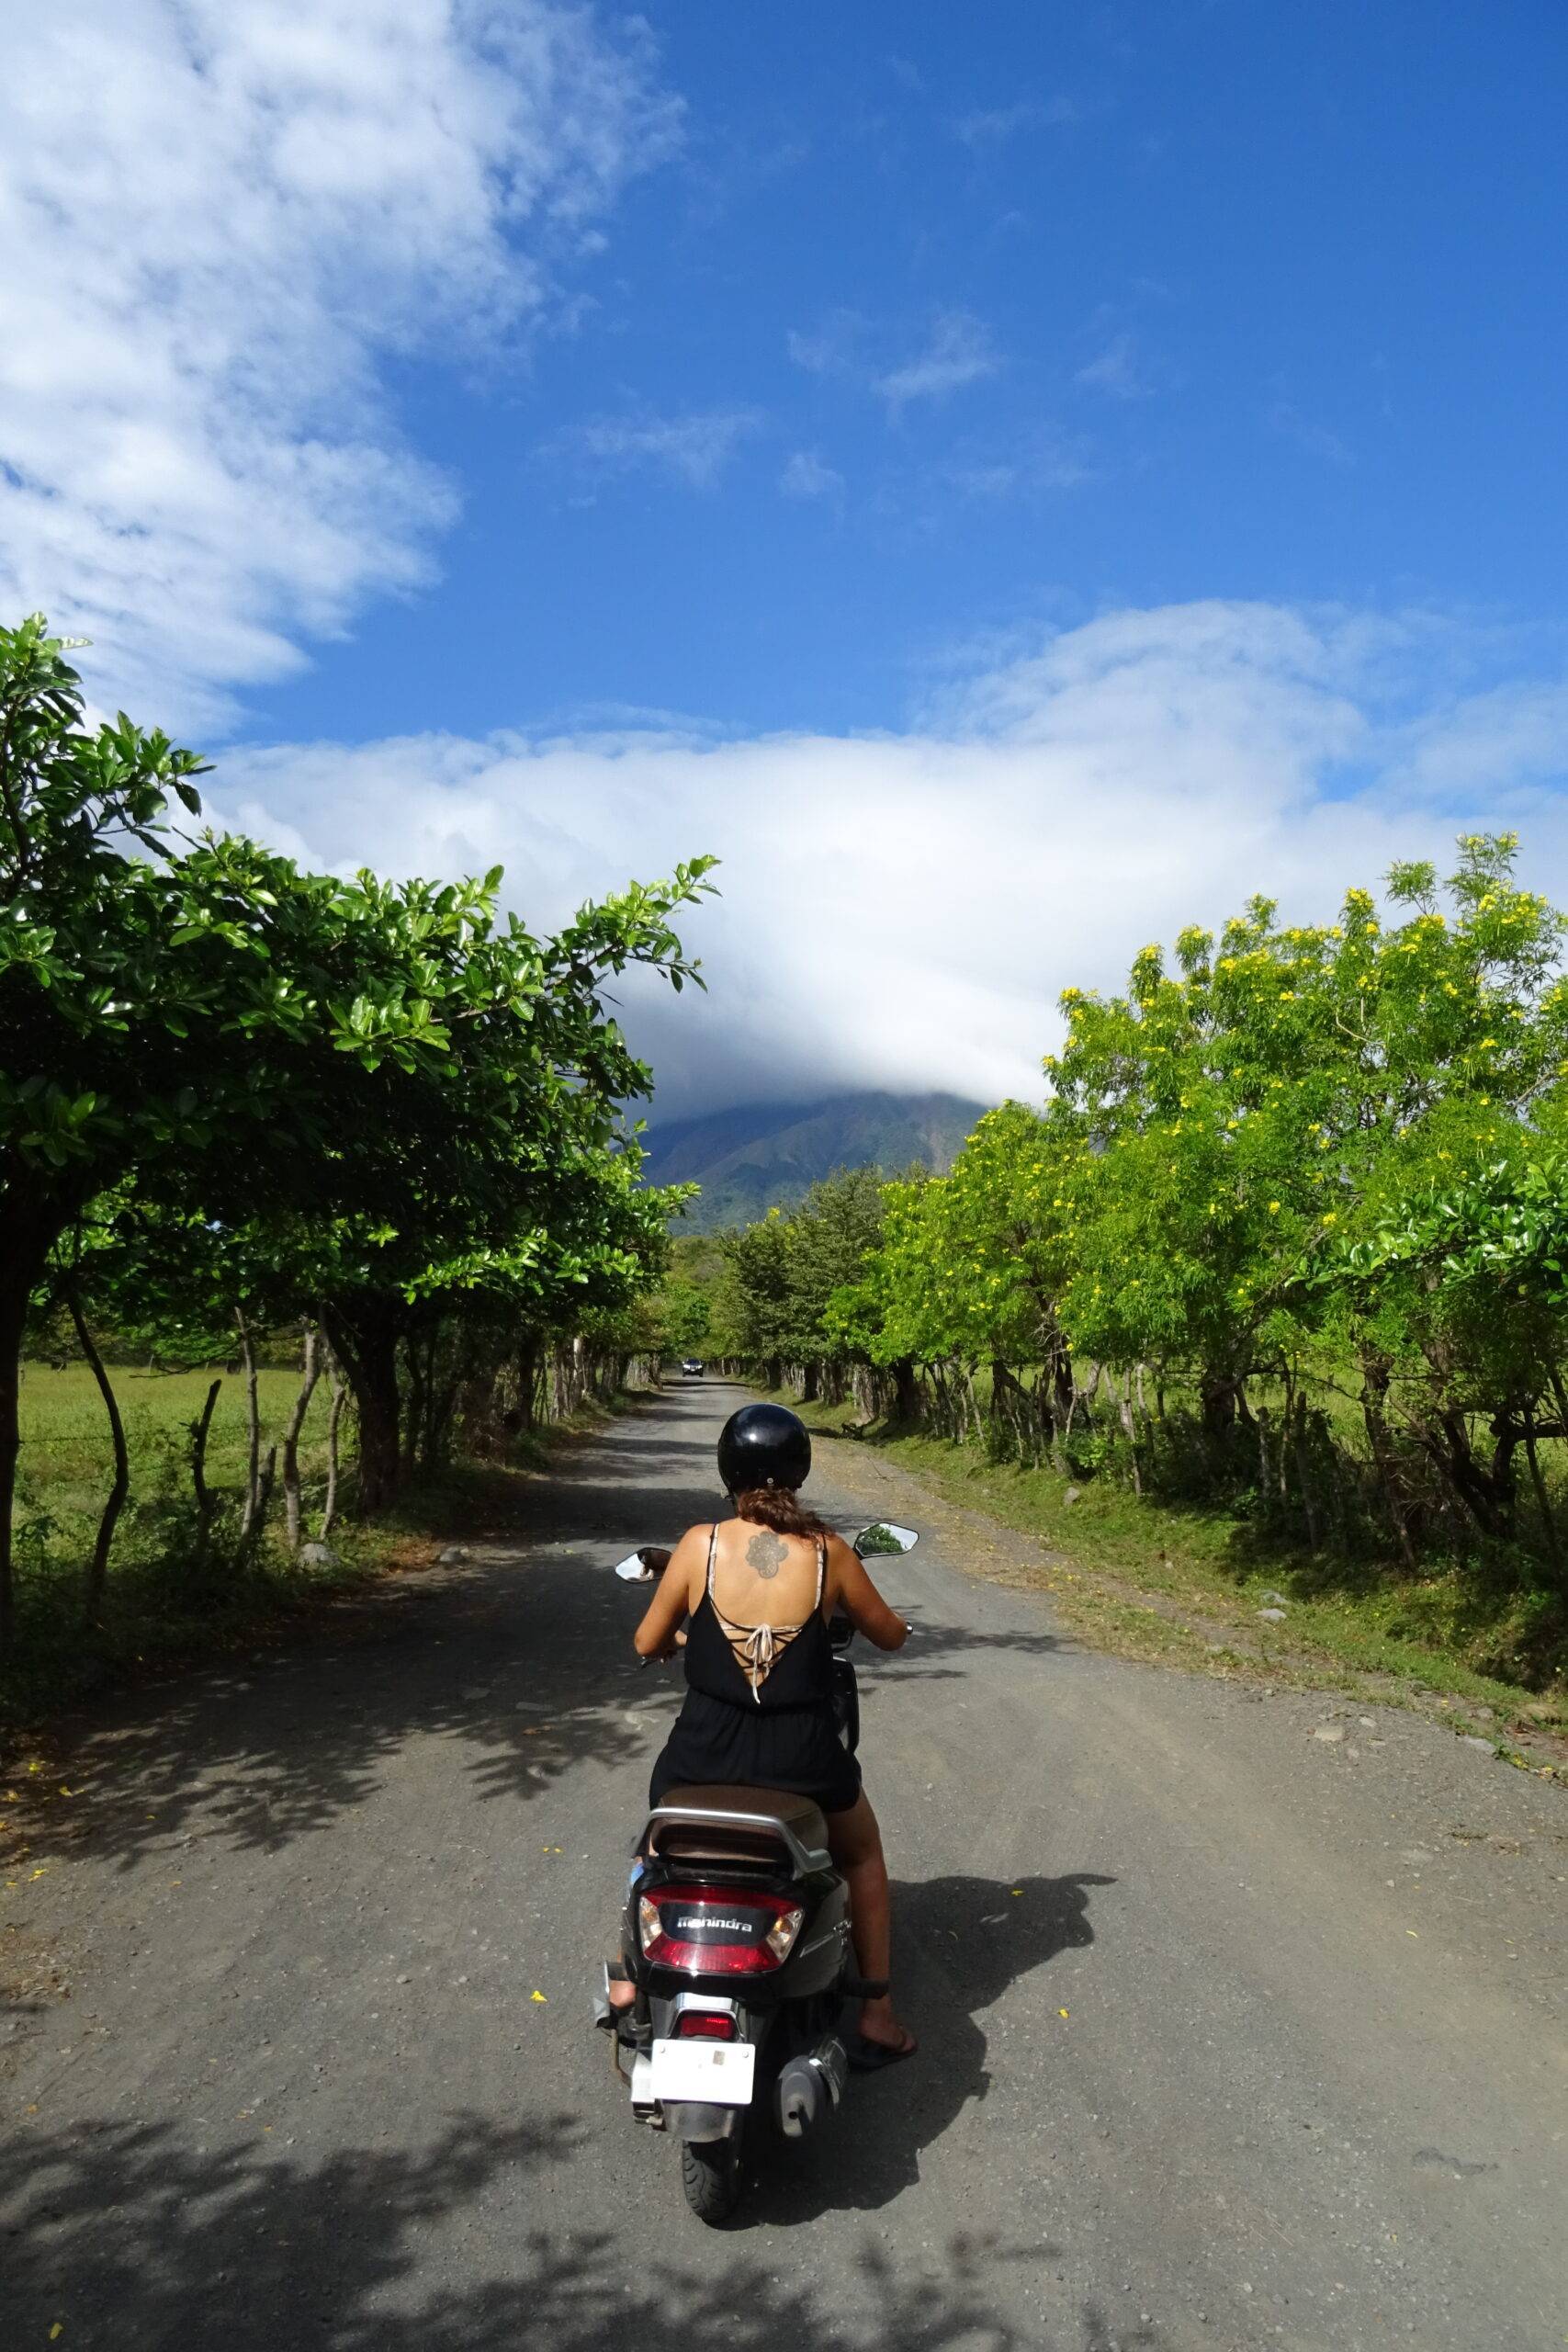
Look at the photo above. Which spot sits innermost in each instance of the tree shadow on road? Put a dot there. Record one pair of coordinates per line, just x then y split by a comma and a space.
522, 1659
128, 2235
525, 1685
960, 1943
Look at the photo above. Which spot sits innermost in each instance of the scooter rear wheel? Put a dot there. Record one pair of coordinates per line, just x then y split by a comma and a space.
710, 2174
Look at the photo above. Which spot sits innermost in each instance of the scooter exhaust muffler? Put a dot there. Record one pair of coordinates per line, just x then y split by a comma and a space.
809, 2086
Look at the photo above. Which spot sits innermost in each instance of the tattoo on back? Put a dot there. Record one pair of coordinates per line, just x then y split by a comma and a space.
765, 1553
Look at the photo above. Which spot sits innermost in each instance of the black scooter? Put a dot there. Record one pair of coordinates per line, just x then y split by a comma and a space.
736, 1935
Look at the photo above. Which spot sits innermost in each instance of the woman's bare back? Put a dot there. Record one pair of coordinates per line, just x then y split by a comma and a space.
761, 1578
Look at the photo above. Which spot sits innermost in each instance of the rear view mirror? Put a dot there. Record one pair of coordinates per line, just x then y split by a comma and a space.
882, 1537
634, 1570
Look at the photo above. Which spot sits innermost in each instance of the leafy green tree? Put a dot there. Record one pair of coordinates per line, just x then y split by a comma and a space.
685, 1319
753, 1302
829, 1238
373, 1080
1235, 1114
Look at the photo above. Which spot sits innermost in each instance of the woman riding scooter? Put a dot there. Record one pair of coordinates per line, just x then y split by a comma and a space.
758, 1590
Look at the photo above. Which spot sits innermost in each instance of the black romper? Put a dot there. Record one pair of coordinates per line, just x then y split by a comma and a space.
764, 1724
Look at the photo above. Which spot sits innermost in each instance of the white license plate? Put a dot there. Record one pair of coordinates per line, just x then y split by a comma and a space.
716, 2073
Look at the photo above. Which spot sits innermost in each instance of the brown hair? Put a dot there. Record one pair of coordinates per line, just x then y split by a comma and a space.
780, 1508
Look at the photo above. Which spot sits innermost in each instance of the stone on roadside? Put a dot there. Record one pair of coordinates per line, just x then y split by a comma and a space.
453, 1556
1275, 1599
1274, 1616
1472, 1740
1072, 1494
1330, 1732
316, 1555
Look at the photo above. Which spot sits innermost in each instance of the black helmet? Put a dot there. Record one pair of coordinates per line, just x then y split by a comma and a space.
763, 1446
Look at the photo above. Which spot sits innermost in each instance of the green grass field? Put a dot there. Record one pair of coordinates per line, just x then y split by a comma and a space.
158, 1608
161, 1609
67, 1463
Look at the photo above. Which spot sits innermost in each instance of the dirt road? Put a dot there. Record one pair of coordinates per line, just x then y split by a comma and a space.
1241, 2016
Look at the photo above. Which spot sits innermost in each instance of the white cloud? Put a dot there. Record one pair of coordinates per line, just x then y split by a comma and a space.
994, 126
216, 217
1041, 462
833, 350
959, 352
1286, 419
903, 909
694, 448
1115, 371
806, 476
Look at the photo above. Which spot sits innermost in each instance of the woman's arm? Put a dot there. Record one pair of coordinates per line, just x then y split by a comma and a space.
861, 1604
671, 1604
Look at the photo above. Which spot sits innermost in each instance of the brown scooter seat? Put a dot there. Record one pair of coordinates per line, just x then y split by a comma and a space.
694, 1819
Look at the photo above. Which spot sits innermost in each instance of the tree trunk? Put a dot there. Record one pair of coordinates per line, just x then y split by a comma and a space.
1062, 1384
1374, 1412
335, 1421
1130, 1429
366, 1345
253, 1534
253, 1409
98, 1567
1264, 1420
528, 1371
1309, 1500
28, 1234
13, 1315
906, 1390
1553, 1550
1217, 1397
198, 1431
310, 1375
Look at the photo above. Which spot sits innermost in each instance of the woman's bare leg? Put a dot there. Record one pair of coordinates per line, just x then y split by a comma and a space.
856, 1844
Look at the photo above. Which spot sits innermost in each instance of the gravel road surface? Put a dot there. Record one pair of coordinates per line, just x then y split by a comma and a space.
1240, 2015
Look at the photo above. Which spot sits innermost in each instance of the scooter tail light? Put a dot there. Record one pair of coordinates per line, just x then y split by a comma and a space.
780, 1937
705, 2025
754, 1949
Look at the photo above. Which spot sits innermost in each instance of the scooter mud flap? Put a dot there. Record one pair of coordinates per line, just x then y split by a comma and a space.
712, 2074
689, 2122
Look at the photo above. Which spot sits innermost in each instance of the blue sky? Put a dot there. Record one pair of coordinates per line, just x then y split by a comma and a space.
1047, 470
1257, 302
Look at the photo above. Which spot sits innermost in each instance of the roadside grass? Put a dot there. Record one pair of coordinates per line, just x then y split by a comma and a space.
162, 1610
1184, 1585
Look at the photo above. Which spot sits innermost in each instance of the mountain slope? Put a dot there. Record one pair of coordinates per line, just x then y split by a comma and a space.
762, 1155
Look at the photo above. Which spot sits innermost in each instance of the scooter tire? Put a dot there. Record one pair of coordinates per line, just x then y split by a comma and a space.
710, 2174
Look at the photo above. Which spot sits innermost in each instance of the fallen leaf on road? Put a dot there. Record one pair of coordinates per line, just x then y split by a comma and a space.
1015, 1889
537, 1996
1410, 1933
1061, 2013
58, 2329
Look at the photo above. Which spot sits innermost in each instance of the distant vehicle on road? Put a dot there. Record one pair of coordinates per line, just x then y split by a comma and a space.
693, 1367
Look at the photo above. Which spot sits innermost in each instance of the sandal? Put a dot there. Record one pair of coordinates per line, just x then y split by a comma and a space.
867, 2057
